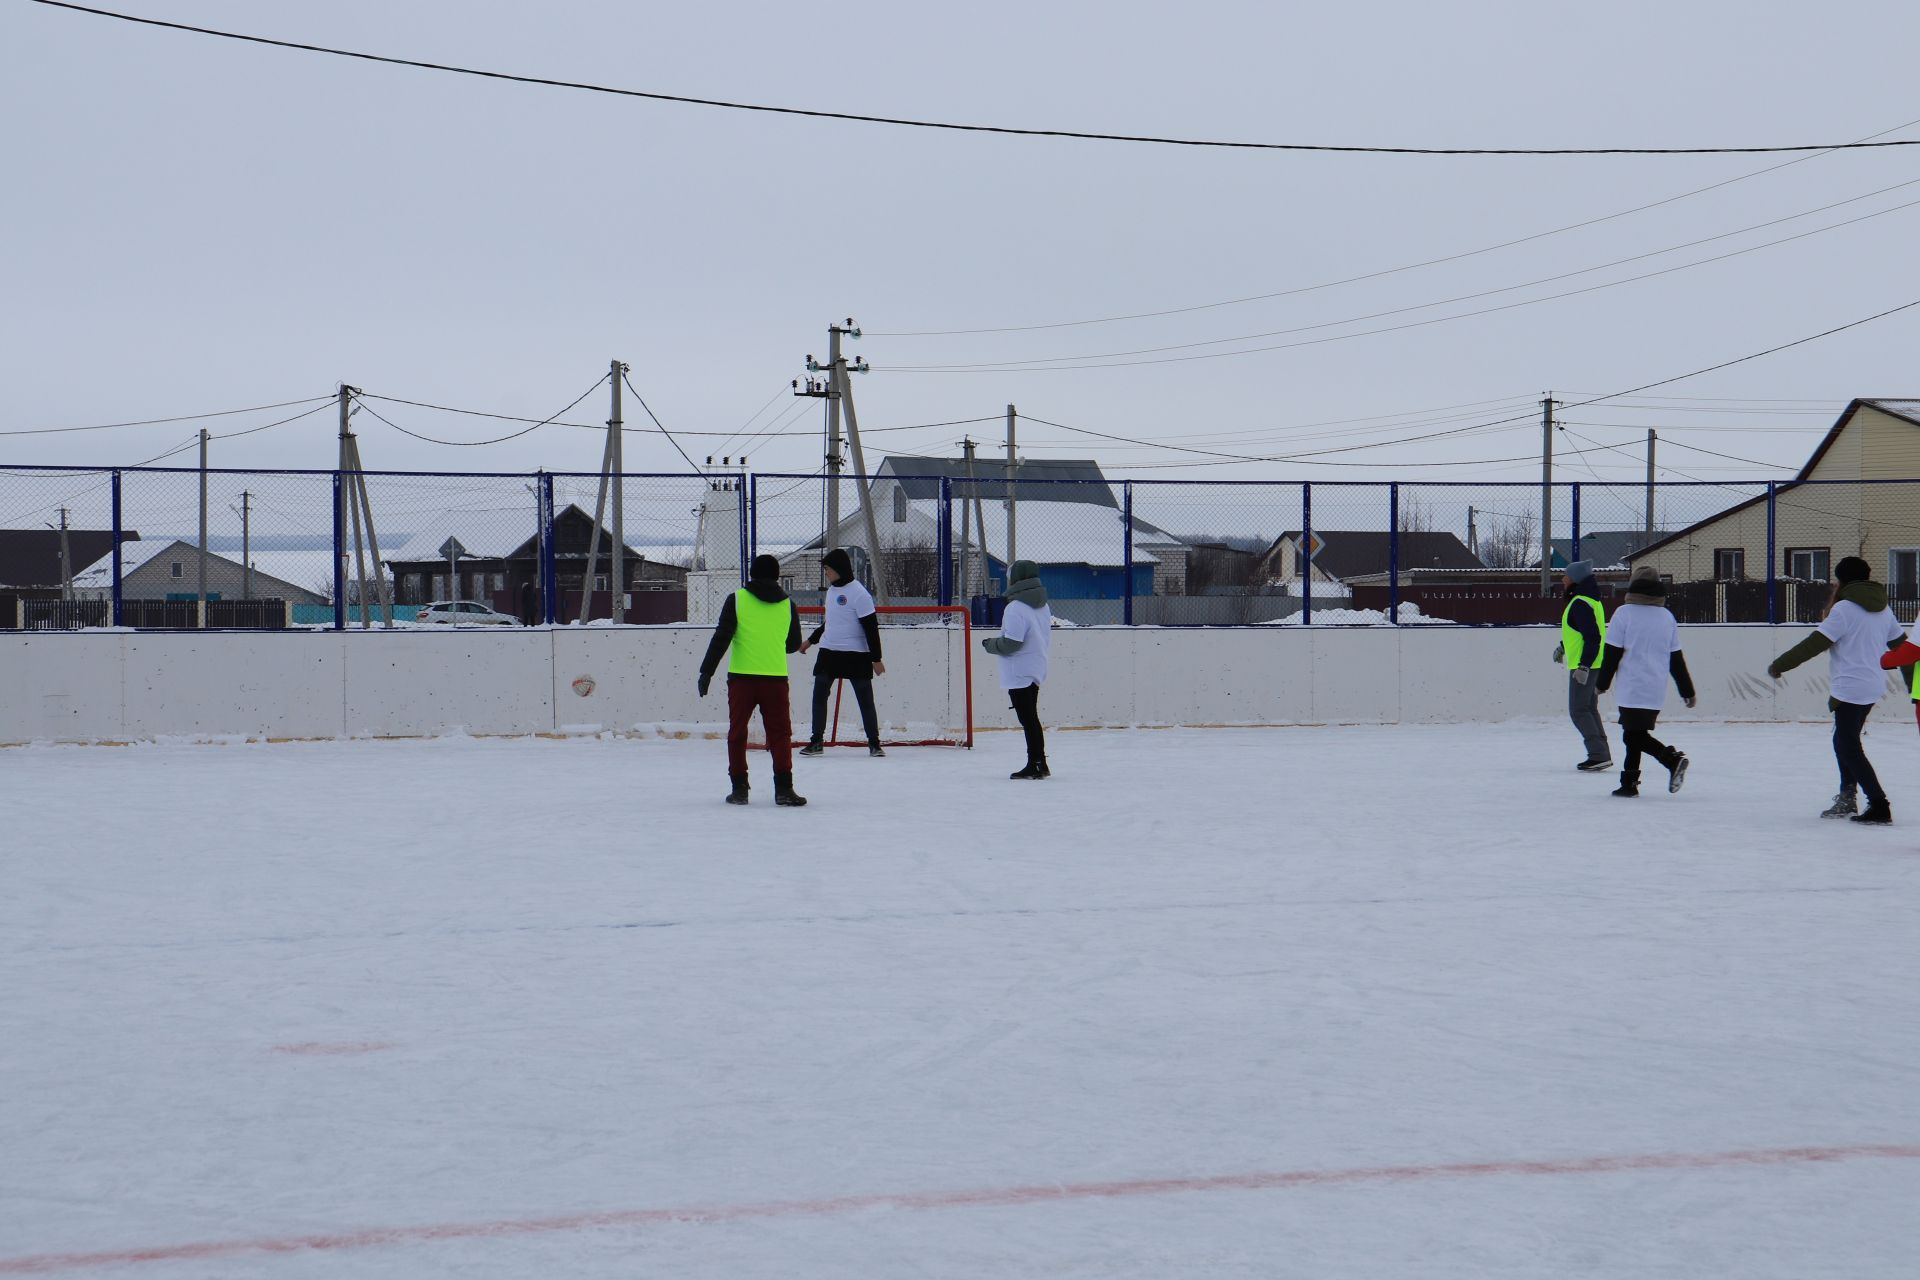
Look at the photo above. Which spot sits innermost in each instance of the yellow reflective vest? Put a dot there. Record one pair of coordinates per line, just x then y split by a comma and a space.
1572, 639
760, 636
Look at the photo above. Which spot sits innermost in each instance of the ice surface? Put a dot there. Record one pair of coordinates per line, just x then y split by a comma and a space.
486, 1008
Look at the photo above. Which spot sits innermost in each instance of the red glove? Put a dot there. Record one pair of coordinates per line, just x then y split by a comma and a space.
1905, 656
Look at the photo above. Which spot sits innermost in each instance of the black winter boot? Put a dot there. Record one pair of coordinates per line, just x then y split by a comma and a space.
1035, 769
739, 793
1677, 772
1878, 813
1629, 783
783, 792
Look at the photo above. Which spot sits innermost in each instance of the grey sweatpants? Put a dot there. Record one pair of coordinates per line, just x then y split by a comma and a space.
1583, 708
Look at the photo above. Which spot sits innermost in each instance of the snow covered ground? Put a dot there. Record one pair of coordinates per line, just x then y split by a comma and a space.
1324, 1002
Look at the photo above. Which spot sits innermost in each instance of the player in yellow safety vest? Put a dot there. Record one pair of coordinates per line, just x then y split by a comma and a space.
759, 626
1583, 644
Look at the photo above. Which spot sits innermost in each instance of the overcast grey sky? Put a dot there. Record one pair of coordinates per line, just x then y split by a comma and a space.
194, 224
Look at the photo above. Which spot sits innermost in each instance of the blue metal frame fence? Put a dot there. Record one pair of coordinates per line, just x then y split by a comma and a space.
1054, 519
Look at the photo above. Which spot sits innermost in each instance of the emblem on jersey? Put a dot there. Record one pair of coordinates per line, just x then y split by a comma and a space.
840, 599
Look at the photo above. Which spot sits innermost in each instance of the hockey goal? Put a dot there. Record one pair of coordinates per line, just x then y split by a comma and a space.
925, 699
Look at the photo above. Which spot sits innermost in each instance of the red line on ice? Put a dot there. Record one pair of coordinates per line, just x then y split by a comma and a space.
39, 1264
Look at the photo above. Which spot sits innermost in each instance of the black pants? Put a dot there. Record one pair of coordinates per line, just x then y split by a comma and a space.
1849, 718
1026, 705
862, 694
1638, 723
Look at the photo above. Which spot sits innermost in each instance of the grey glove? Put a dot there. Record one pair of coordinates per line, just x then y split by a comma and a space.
1559, 652
1581, 675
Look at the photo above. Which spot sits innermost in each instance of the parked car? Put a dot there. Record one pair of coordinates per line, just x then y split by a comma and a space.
464, 613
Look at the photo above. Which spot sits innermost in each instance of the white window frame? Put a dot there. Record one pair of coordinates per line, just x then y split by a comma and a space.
1810, 551
1893, 579
1740, 576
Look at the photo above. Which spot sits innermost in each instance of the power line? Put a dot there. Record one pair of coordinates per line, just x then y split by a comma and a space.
1374, 275
474, 444
909, 123
1057, 364
656, 422
235, 435
150, 422
1497, 422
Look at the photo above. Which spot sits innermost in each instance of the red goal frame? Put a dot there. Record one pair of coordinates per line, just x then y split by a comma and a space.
966, 650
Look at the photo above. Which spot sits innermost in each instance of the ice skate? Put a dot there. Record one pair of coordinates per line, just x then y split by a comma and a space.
1844, 805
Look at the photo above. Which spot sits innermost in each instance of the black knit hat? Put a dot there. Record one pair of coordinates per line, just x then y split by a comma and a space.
1852, 569
840, 562
765, 569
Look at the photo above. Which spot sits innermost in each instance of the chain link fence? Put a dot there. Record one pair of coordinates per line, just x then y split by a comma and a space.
277, 549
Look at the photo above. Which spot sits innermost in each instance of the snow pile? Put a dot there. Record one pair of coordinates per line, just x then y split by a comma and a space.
1410, 615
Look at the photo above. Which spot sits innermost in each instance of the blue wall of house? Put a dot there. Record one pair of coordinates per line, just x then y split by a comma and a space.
1085, 581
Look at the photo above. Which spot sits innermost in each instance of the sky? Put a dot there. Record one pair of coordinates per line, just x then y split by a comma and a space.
196, 225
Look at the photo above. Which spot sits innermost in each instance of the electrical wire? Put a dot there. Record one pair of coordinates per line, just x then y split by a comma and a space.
362, 397
1497, 422
1374, 275
904, 122
1057, 364
235, 435
149, 422
656, 422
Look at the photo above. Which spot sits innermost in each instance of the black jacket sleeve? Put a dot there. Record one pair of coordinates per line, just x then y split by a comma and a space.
871, 625
817, 633
793, 628
1682, 680
722, 637
1588, 628
1609, 665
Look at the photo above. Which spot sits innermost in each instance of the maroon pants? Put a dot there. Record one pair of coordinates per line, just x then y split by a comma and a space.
769, 695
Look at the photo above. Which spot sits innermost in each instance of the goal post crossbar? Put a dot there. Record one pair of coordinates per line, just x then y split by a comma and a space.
949, 612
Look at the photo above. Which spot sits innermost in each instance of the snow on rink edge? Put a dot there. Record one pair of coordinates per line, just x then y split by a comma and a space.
1310, 1001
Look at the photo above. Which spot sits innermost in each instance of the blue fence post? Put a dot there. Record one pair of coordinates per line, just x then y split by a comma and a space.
339, 565
1773, 585
549, 557
1573, 547
746, 560
943, 540
117, 602
1306, 563
1393, 554
1126, 523
753, 516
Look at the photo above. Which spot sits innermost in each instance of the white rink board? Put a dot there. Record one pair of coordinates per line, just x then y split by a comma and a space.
116, 686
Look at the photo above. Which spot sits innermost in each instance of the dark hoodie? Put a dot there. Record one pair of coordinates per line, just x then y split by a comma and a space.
1869, 595
763, 587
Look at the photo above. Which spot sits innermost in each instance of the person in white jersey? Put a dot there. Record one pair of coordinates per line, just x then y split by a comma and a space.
849, 640
1026, 633
1859, 629
1643, 649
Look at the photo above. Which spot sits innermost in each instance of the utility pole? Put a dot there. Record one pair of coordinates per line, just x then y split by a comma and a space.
345, 467
833, 436
1546, 496
617, 605
875, 555
1473, 533
203, 527
1652, 439
356, 508
66, 560
1013, 464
